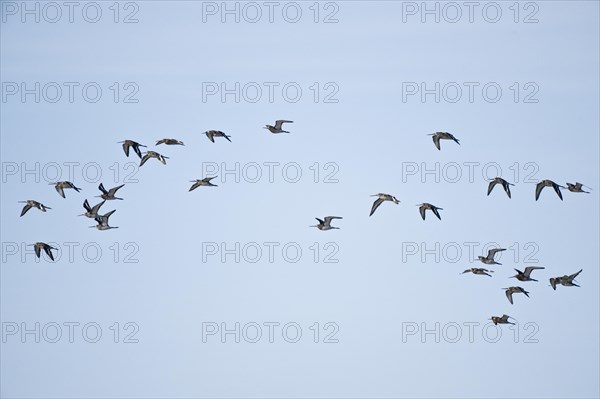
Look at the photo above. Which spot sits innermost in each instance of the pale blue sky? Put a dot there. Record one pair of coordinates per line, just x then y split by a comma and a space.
371, 136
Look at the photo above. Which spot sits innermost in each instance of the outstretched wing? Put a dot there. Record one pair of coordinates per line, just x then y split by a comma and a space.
25, 209
97, 206
436, 213
529, 269
37, 250
280, 122
59, 190
436, 141
538, 190
48, 251
195, 186
109, 213
376, 204
491, 186
144, 159
492, 252
574, 275
509, 296
136, 148
506, 186
422, 211
557, 190
114, 190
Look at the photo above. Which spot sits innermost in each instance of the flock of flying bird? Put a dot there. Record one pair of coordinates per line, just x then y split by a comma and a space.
325, 223
93, 211
525, 275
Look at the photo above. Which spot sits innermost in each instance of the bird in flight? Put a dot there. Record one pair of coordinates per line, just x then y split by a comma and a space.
91, 212
277, 128
61, 185
424, 206
501, 320
169, 142
548, 183
514, 290
38, 246
479, 271
577, 188
202, 182
382, 197
135, 145
102, 221
437, 136
33, 204
153, 154
110, 194
211, 134
325, 224
525, 275
498, 180
489, 259
566, 280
